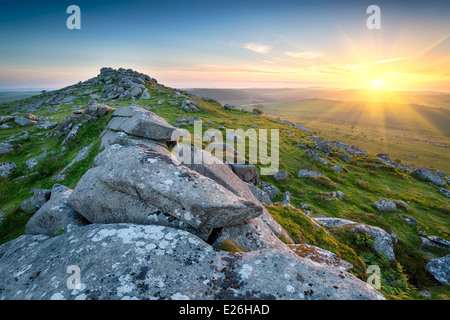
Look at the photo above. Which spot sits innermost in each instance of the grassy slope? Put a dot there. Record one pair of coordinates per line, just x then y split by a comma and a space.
400, 130
429, 208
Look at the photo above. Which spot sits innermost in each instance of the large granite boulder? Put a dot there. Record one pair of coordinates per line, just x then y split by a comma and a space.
154, 176
127, 261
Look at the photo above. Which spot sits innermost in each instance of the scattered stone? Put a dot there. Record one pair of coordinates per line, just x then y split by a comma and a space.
22, 121
270, 190
145, 95
337, 167
445, 192
280, 175
383, 240
350, 149
45, 125
340, 194
433, 241
308, 173
230, 107
384, 205
286, 198
426, 175
32, 163
411, 221
426, 294
73, 133
135, 92
5, 148
323, 146
6, 168
440, 269
301, 127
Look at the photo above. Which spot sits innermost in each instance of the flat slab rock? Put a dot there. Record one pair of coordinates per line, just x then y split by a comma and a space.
143, 123
126, 261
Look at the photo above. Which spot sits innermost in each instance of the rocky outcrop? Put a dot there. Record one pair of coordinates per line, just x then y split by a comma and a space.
152, 176
126, 261
146, 223
383, 240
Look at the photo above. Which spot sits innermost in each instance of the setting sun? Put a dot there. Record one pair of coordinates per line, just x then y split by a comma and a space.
377, 83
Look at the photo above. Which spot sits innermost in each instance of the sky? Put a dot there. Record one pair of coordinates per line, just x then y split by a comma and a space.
229, 44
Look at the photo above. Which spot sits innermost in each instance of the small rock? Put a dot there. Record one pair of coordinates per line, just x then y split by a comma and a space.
5, 148
6, 168
271, 190
286, 198
308, 173
280, 175
384, 205
445, 192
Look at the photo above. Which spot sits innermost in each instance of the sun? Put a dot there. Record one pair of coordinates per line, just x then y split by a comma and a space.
377, 83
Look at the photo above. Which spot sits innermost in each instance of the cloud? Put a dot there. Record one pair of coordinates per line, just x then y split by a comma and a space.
257, 47
304, 54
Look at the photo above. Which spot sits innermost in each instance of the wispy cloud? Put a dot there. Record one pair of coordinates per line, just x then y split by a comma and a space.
257, 47
304, 54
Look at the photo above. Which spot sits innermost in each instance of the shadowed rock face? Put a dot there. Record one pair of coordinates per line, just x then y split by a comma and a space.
126, 261
54, 214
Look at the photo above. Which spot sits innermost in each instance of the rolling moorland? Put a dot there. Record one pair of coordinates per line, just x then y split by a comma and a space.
388, 213
408, 126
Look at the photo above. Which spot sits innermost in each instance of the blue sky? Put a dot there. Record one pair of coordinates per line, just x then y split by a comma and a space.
224, 43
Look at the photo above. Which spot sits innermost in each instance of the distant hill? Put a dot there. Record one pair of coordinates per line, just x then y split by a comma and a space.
8, 96
250, 96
